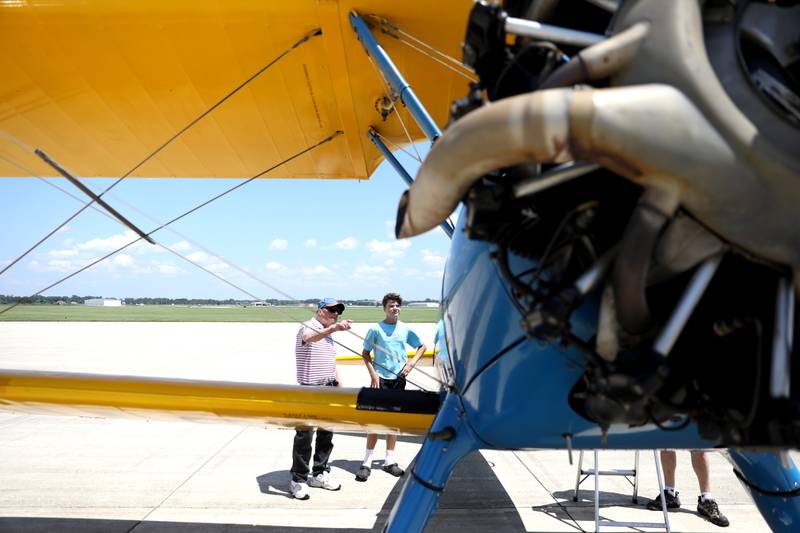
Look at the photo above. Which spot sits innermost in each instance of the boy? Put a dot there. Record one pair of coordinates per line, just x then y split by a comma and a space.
388, 339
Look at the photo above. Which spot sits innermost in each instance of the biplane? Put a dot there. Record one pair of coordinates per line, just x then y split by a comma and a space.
625, 267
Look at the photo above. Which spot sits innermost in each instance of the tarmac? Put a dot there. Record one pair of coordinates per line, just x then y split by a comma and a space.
83, 474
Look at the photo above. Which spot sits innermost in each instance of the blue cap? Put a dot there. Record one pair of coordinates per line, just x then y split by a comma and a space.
331, 302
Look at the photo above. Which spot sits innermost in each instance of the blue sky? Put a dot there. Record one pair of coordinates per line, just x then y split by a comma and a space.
308, 238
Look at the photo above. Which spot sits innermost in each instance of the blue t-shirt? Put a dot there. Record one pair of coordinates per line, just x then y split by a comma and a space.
387, 342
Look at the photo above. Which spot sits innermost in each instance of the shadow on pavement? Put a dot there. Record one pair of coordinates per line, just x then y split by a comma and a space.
474, 501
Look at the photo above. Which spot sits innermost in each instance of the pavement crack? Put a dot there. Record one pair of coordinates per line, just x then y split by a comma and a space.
563, 508
190, 476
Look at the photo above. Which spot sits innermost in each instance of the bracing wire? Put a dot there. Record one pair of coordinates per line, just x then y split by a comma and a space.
155, 152
256, 279
389, 94
396, 33
186, 213
214, 274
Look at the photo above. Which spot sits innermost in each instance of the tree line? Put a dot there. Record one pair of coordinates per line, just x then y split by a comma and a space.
11, 299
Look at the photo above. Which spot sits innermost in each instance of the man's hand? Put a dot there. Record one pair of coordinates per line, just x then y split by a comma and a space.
406, 369
344, 325
376, 382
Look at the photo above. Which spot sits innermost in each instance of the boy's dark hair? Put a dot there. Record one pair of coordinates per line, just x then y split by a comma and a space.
392, 296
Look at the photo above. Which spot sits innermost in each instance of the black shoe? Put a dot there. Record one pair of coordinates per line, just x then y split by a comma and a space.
672, 501
394, 470
363, 473
710, 511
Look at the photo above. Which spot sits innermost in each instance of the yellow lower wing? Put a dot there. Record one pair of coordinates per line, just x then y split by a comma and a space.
202, 401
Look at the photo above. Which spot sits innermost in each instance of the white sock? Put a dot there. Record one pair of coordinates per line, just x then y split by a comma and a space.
705, 496
367, 458
389, 458
669, 489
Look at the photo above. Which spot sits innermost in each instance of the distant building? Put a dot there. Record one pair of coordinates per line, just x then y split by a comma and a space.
422, 304
260, 304
103, 302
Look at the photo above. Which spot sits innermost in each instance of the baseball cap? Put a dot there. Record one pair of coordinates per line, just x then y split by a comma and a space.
331, 302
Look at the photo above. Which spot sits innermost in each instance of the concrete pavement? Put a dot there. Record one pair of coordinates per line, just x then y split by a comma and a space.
87, 474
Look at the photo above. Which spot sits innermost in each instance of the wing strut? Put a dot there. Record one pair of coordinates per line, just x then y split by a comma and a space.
446, 226
402, 90
399, 85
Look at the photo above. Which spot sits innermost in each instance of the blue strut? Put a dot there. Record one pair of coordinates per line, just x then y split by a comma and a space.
449, 439
399, 85
773, 485
446, 226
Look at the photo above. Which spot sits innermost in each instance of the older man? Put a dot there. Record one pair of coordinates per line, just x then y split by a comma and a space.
315, 352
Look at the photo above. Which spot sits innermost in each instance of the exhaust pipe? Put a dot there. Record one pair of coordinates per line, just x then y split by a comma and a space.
651, 134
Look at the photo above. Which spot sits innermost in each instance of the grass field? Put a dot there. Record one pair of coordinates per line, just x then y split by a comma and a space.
165, 313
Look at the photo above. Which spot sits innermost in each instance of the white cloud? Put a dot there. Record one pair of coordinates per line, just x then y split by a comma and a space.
167, 268
60, 265
279, 244
60, 254
432, 258
123, 260
274, 265
180, 246
366, 270
109, 243
347, 243
218, 267
197, 257
388, 248
310, 243
315, 270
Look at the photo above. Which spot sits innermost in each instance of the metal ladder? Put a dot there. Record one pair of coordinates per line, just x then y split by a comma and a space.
627, 474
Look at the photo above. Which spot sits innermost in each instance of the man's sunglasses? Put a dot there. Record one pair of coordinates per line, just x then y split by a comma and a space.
333, 309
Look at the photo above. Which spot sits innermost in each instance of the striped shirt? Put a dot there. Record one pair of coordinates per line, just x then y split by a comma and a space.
316, 361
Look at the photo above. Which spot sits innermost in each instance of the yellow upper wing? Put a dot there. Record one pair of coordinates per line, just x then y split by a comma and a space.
100, 84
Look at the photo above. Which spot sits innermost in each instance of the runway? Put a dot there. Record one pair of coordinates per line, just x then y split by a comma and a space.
87, 474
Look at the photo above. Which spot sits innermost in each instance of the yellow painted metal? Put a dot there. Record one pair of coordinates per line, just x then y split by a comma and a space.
198, 401
100, 84
353, 357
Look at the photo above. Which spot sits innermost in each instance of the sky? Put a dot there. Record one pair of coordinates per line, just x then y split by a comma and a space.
305, 238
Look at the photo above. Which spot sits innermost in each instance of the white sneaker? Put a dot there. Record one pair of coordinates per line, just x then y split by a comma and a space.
324, 481
299, 490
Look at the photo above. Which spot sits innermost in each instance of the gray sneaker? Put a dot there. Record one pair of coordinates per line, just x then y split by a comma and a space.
363, 473
299, 491
709, 510
672, 501
323, 480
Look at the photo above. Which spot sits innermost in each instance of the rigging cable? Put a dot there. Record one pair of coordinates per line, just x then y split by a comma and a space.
383, 23
258, 280
166, 143
391, 95
192, 210
214, 274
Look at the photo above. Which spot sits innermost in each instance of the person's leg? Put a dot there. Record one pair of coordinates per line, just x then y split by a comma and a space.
701, 469
301, 455
372, 440
320, 477
706, 506
322, 451
669, 463
390, 463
